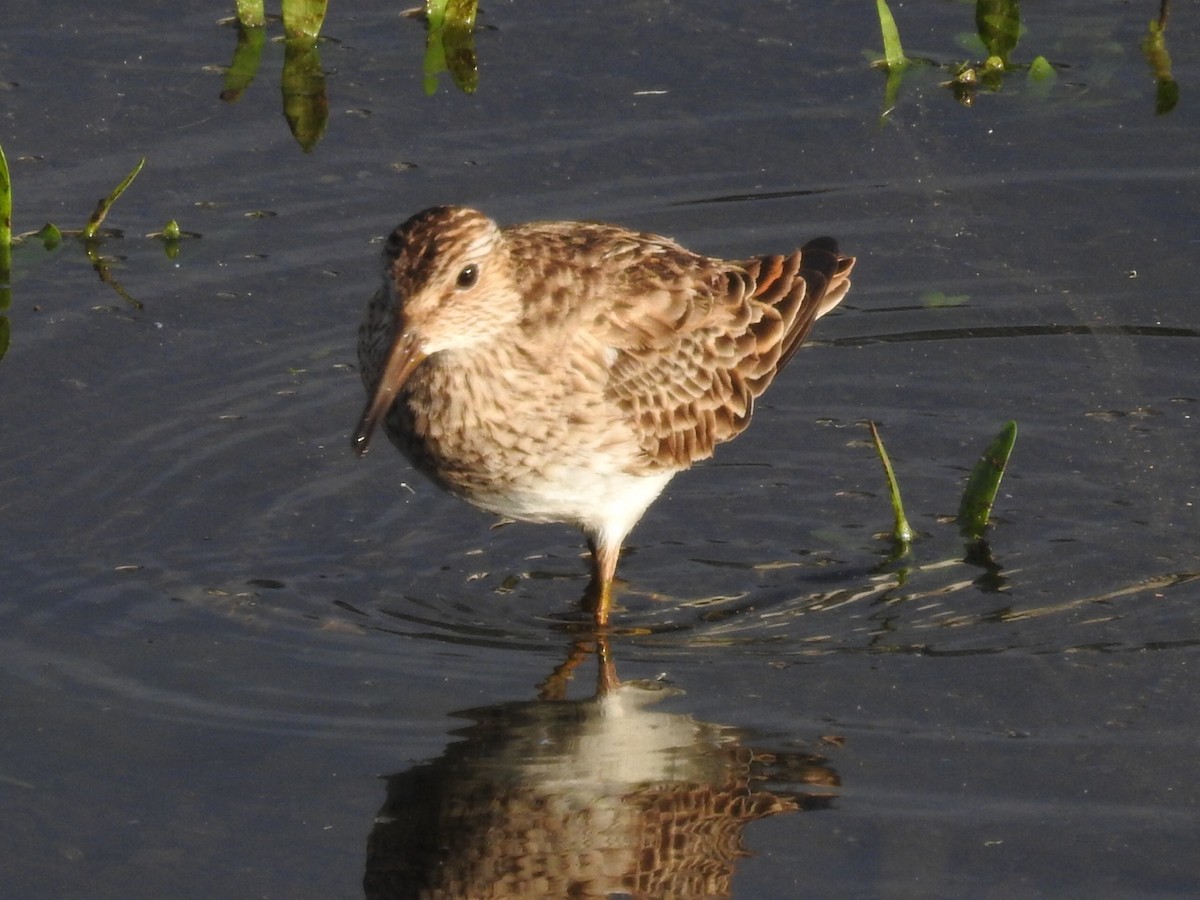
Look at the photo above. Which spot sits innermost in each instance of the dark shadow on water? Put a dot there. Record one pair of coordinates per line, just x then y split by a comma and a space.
584, 798
1015, 331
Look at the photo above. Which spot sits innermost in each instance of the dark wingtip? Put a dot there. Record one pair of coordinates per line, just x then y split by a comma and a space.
821, 243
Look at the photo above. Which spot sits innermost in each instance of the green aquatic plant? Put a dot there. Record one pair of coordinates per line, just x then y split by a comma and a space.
91, 235
980, 494
894, 61
303, 18
998, 29
450, 44
101, 211
5, 207
999, 25
251, 13
246, 59
305, 103
5, 252
974, 510
893, 51
1154, 48
302, 83
902, 533
172, 237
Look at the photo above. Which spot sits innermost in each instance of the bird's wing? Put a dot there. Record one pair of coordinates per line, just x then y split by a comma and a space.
693, 348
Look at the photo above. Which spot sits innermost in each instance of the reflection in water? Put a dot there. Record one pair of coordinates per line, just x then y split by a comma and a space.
582, 798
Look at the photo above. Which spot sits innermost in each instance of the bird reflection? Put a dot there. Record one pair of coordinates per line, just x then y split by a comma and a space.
583, 798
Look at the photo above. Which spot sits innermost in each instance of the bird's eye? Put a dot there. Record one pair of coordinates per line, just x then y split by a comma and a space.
468, 276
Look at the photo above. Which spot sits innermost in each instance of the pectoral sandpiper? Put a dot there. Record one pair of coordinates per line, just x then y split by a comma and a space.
564, 371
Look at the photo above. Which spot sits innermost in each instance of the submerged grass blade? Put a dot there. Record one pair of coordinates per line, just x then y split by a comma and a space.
5, 245
902, 532
102, 208
303, 18
251, 14
984, 484
893, 52
305, 103
244, 67
5, 203
999, 25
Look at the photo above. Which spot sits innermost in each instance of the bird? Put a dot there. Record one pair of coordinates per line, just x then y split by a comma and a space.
565, 371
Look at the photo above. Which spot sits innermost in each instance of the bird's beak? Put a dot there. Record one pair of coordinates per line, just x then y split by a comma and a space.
406, 354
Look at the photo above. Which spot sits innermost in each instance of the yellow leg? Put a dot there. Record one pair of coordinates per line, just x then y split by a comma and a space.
606, 673
599, 594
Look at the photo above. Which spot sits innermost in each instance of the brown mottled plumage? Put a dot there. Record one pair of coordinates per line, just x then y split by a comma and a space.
564, 371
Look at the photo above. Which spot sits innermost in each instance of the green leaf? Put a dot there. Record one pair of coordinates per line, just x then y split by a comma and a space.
893, 52
1154, 47
5, 203
999, 24
49, 235
984, 483
303, 18
450, 44
5, 243
102, 208
246, 58
250, 13
305, 104
902, 532
1041, 70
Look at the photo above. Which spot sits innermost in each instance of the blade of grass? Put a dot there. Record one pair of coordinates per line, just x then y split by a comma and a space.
893, 52
5, 203
244, 66
902, 532
999, 25
250, 13
303, 18
5, 242
102, 208
984, 483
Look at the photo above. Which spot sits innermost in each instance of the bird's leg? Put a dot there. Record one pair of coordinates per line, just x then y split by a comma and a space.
606, 674
599, 594
555, 686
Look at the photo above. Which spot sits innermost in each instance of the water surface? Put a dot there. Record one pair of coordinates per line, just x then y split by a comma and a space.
230, 646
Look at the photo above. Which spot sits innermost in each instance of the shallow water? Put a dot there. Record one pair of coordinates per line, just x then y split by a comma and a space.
230, 646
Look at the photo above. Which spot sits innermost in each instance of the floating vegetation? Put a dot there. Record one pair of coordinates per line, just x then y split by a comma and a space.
91, 235
998, 25
172, 237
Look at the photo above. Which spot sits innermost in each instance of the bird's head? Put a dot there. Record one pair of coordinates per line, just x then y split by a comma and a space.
447, 286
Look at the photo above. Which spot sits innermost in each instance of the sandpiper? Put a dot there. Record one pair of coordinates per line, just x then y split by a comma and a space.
564, 371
